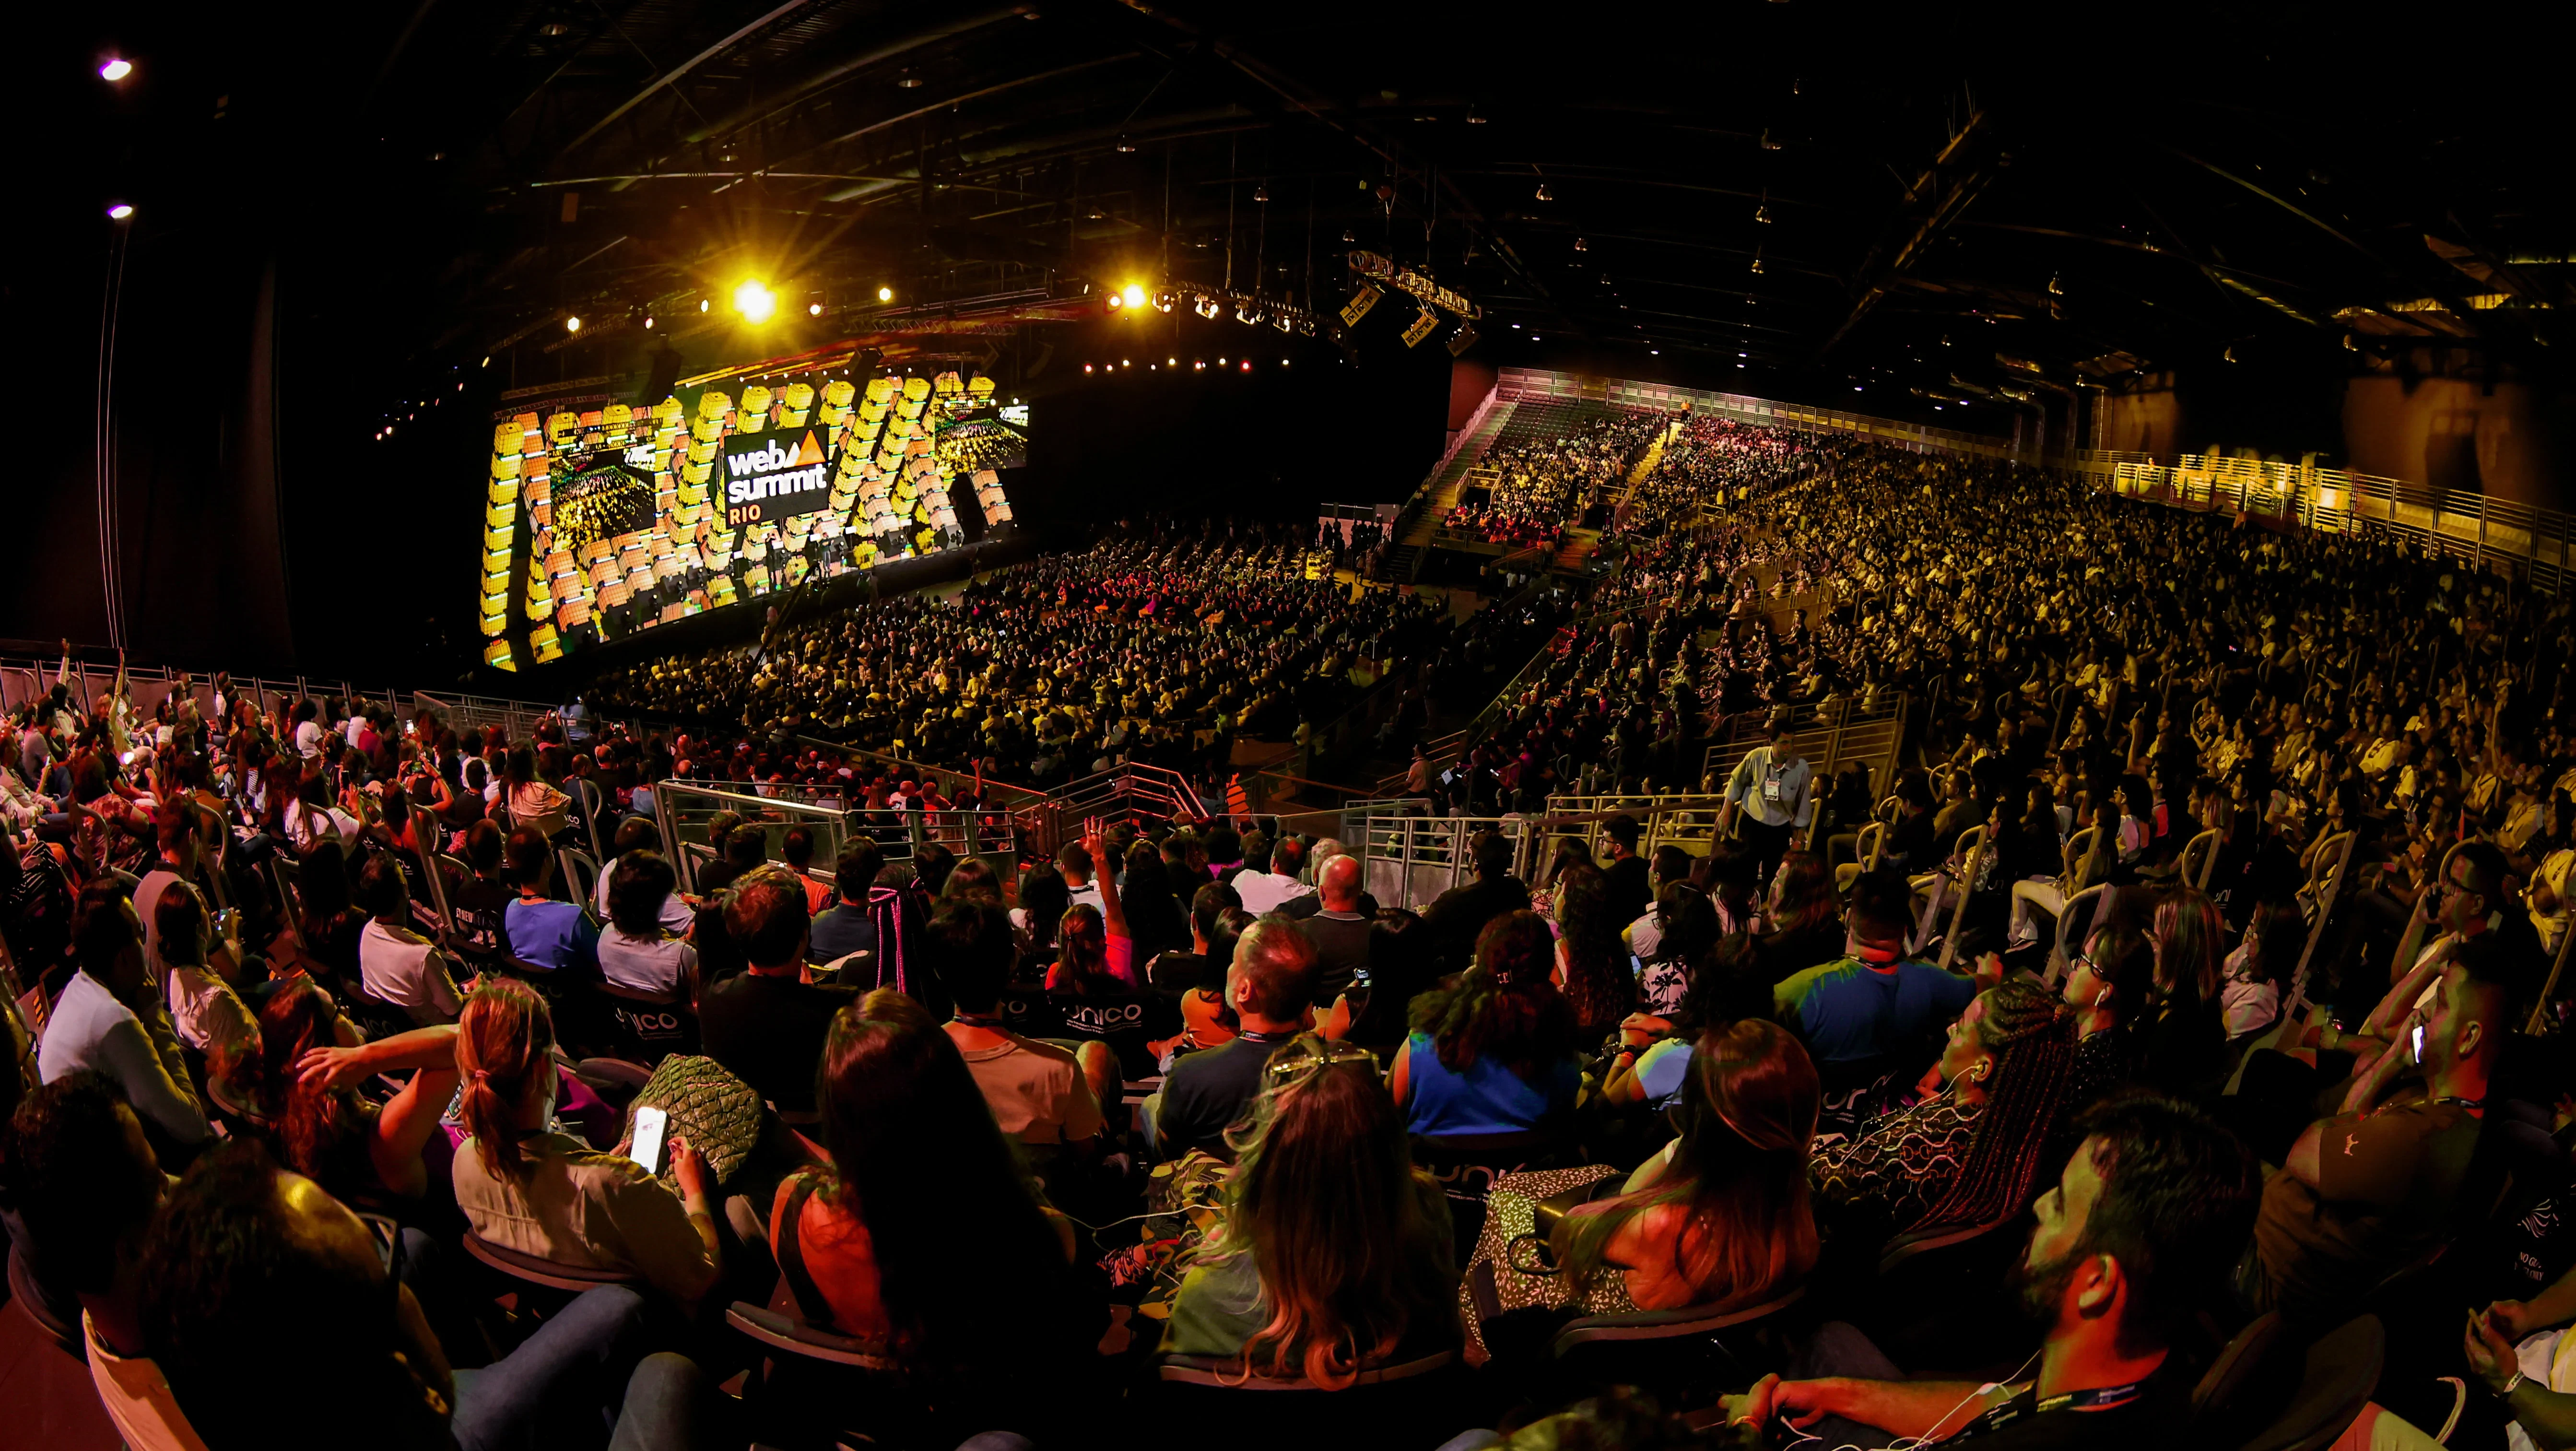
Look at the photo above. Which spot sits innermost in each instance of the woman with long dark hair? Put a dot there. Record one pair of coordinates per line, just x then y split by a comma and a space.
1495, 1053
1686, 931
1969, 1150
2107, 986
1334, 1253
2184, 1047
1036, 921
917, 1160
1802, 924
1591, 963
1721, 1217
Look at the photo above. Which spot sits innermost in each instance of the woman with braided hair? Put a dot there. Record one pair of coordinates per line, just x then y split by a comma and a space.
1969, 1151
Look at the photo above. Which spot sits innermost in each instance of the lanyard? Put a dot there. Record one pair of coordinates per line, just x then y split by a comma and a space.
2100, 1399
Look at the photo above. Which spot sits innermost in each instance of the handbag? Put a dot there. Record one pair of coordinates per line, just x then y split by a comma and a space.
1512, 1251
720, 1115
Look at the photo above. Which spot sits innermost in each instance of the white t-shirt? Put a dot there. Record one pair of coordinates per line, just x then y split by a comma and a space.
205, 1011
403, 968
308, 740
1265, 891
675, 913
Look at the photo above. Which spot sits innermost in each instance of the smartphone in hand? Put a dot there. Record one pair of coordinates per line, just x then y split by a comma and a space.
650, 1122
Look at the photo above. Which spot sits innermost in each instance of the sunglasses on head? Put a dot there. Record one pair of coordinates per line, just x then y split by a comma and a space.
1298, 1057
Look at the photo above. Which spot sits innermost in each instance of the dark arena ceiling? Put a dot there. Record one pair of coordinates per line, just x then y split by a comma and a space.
1960, 208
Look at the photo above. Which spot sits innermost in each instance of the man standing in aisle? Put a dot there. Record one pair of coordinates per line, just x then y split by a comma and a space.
1770, 800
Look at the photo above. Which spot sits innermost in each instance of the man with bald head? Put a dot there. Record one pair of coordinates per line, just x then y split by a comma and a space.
1339, 929
1271, 987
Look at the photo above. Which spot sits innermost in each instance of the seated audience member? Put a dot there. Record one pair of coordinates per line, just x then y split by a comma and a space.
1671, 864
1036, 922
482, 899
1040, 1094
297, 1071
536, 804
1969, 1151
1302, 907
1272, 987
247, 1257
1801, 925
796, 848
1496, 1053
2374, 1188
82, 1187
206, 1009
108, 1019
636, 834
333, 927
2267, 957
737, 849
1630, 878
1593, 969
1456, 919
1653, 1063
1098, 958
176, 830
1075, 861
1207, 1013
847, 924
2183, 1051
901, 1112
1176, 971
2131, 1244
1264, 891
1681, 931
397, 964
765, 1025
1339, 930
1333, 1254
1720, 1217
640, 951
2105, 985
549, 933
526, 1187
1871, 1006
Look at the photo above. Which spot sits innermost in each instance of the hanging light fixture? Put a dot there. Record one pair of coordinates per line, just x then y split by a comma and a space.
1260, 193
1581, 246
1126, 145
1757, 264
1348, 235
1542, 193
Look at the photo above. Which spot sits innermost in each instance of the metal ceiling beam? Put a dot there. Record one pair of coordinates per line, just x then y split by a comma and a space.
662, 81
1949, 195
832, 75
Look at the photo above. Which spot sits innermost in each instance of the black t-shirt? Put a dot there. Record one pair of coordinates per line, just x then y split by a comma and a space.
1632, 890
1341, 952
1207, 1091
768, 1032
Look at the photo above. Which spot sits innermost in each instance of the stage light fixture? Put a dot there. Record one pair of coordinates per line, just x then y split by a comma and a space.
753, 299
1757, 264
648, 324
1261, 194
885, 294
1542, 193
1125, 363
1762, 214
1134, 292
1200, 365
1126, 145
1582, 246
1348, 235
1086, 367
1220, 362
813, 309
1116, 301
120, 211
117, 68
572, 324
1247, 365
704, 304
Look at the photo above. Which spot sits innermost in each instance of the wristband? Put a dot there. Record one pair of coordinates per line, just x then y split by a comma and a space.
2511, 1386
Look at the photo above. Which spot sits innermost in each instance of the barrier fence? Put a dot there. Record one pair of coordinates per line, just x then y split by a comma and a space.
2486, 532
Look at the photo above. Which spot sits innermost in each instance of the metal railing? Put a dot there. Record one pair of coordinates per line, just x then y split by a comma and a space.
1408, 861
2464, 524
1688, 821
24, 681
1829, 734
684, 811
1530, 384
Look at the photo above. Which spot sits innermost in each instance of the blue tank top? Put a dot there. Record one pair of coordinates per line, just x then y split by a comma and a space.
1487, 1098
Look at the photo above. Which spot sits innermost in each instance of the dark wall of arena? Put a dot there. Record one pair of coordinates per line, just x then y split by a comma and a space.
1272, 443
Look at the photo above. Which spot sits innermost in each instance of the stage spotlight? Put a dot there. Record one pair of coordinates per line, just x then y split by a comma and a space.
1220, 362
120, 211
572, 324
753, 299
1125, 363
1172, 362
1200, 365
813, 309
885, 294
1126, 145
648, 324
1542, 193
1086, 367
704, 304
1207, 307
1134, 293
116, 69
1247, 365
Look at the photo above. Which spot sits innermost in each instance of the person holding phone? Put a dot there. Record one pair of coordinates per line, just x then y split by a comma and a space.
2367, 1192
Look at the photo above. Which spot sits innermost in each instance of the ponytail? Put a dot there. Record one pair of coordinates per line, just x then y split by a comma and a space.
503, 1041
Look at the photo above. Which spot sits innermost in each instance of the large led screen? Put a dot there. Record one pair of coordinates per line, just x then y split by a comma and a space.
605, 517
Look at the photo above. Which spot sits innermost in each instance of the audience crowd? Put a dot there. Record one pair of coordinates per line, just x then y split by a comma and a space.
314, 1044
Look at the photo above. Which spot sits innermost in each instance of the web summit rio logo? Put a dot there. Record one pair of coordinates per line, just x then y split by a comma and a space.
773, 480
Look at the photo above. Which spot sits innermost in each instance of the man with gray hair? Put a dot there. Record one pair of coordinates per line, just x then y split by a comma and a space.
1340, 930
1302, 908
1271, 987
